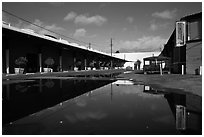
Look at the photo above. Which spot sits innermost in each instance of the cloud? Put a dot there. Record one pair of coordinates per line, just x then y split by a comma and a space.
52, 27
5, 17
81, 103
103, 5
124, 29
155, 26
84, 19
86, 116
130, 19
167, 119
165, 14
90, 115
70, 16
80, 32
146, 43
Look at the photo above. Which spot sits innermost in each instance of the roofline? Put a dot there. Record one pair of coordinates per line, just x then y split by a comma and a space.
191, 15
9, 27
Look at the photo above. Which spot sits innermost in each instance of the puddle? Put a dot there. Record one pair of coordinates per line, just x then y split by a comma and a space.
73, 107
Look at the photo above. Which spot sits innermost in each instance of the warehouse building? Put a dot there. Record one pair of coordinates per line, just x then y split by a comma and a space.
184, 46
37, 48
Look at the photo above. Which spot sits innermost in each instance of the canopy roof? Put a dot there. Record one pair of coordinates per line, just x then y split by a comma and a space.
158, 58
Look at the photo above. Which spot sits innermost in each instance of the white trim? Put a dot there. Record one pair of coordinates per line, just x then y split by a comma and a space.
180, 37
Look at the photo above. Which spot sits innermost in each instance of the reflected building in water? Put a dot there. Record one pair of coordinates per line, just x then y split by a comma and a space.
186, 109
28, 97
78, 103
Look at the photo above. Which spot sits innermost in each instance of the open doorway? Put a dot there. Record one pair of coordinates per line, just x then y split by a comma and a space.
32, 65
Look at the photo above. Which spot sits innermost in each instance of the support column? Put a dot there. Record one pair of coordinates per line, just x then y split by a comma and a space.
85, 62
7, 61
60, 62
40, 61
182, 69
60, 83
40, 85
8, 91
74, 59
160, 68
74, 64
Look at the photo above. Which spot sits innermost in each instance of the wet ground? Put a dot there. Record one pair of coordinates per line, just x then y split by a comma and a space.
101, 107
186, 83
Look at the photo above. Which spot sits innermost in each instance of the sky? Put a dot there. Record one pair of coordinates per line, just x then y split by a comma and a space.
133, 26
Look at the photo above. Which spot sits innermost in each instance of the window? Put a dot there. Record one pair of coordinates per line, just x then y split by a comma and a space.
180, 33
194, 30
147, 62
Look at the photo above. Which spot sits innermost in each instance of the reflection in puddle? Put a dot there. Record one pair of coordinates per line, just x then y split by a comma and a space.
97, 107
123, 82
21, 99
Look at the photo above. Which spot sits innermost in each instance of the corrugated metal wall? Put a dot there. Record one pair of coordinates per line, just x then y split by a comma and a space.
193, 57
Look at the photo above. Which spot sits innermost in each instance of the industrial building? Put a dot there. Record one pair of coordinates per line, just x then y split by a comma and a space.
184, 46
37, 48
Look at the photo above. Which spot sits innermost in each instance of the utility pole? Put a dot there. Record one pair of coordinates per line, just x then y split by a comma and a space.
111, 54
111, 47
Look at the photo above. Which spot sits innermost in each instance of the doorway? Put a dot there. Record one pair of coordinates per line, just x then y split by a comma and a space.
32, 65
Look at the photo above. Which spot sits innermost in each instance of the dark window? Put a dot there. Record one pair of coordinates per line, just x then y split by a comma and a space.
194, 30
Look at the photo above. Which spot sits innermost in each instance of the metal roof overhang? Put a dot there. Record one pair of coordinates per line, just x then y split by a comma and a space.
61, 44
158, 58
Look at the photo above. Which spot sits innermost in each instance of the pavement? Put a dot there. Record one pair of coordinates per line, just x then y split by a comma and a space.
168, 82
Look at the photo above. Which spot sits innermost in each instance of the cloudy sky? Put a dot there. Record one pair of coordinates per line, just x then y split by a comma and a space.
134, 26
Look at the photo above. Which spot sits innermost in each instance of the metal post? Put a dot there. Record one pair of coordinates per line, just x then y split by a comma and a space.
161, 68
182, 69
111, 54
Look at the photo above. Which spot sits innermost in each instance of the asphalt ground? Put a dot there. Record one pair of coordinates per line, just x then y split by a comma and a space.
168, 82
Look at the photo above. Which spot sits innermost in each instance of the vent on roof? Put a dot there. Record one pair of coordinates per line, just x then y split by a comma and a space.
28, 30
63, 40
6, 23
49, 36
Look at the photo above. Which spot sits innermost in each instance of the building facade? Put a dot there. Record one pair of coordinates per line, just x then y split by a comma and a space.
132, 58
37, 48
184, 46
